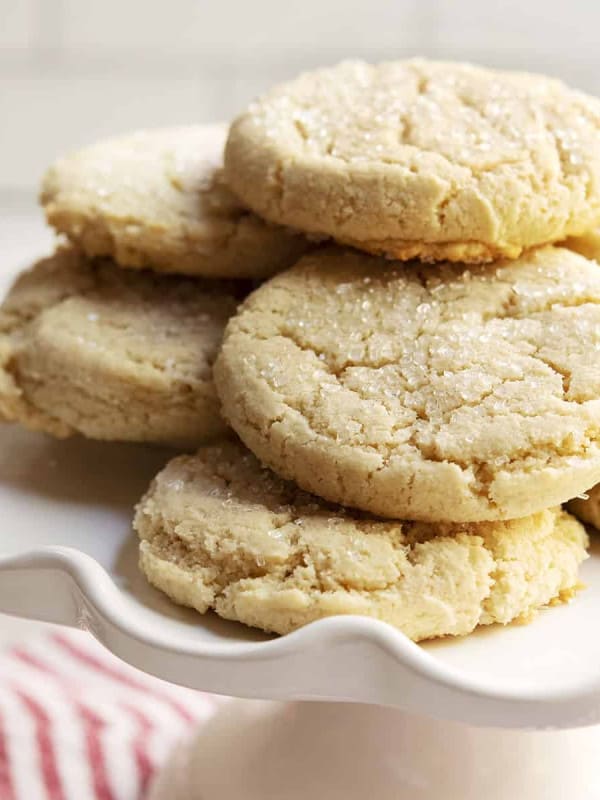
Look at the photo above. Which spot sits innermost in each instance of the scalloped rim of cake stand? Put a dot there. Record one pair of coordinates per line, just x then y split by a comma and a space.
67, 586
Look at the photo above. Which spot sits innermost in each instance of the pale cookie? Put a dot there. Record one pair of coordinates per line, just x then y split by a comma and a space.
89, 348
422, 159
587, 245
158, 199
587, 507
416, 392
219, 532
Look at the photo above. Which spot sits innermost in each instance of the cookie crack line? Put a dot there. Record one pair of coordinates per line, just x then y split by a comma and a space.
264, 432
406, 126
401, 163
299, 559
338, 371
389, 452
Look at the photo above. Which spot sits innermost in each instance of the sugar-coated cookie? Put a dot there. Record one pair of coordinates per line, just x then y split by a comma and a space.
424, 159
86, 347
220, 532
158, 199
422, 392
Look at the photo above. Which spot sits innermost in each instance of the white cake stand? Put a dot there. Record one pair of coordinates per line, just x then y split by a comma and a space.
68, 555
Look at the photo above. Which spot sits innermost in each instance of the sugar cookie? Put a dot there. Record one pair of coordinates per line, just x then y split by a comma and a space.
86, 347
158, 199
424, 159
417, 392
218, 532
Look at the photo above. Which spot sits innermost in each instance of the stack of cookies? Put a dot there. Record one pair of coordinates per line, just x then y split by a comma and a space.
415, 384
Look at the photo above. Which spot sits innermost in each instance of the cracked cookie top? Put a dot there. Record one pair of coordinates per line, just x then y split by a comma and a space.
220, 532
422, 159
158, 199
421, 392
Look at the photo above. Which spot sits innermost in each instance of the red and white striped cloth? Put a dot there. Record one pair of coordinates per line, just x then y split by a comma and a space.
78, 724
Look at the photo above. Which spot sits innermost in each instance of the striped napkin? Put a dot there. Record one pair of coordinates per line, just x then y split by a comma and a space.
78, 724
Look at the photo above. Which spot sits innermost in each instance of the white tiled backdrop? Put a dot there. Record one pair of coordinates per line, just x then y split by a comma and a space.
75, 70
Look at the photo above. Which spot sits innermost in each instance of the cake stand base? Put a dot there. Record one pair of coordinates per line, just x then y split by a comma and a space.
255, 750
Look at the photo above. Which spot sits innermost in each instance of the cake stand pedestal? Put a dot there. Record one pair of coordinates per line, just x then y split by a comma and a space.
335, 751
